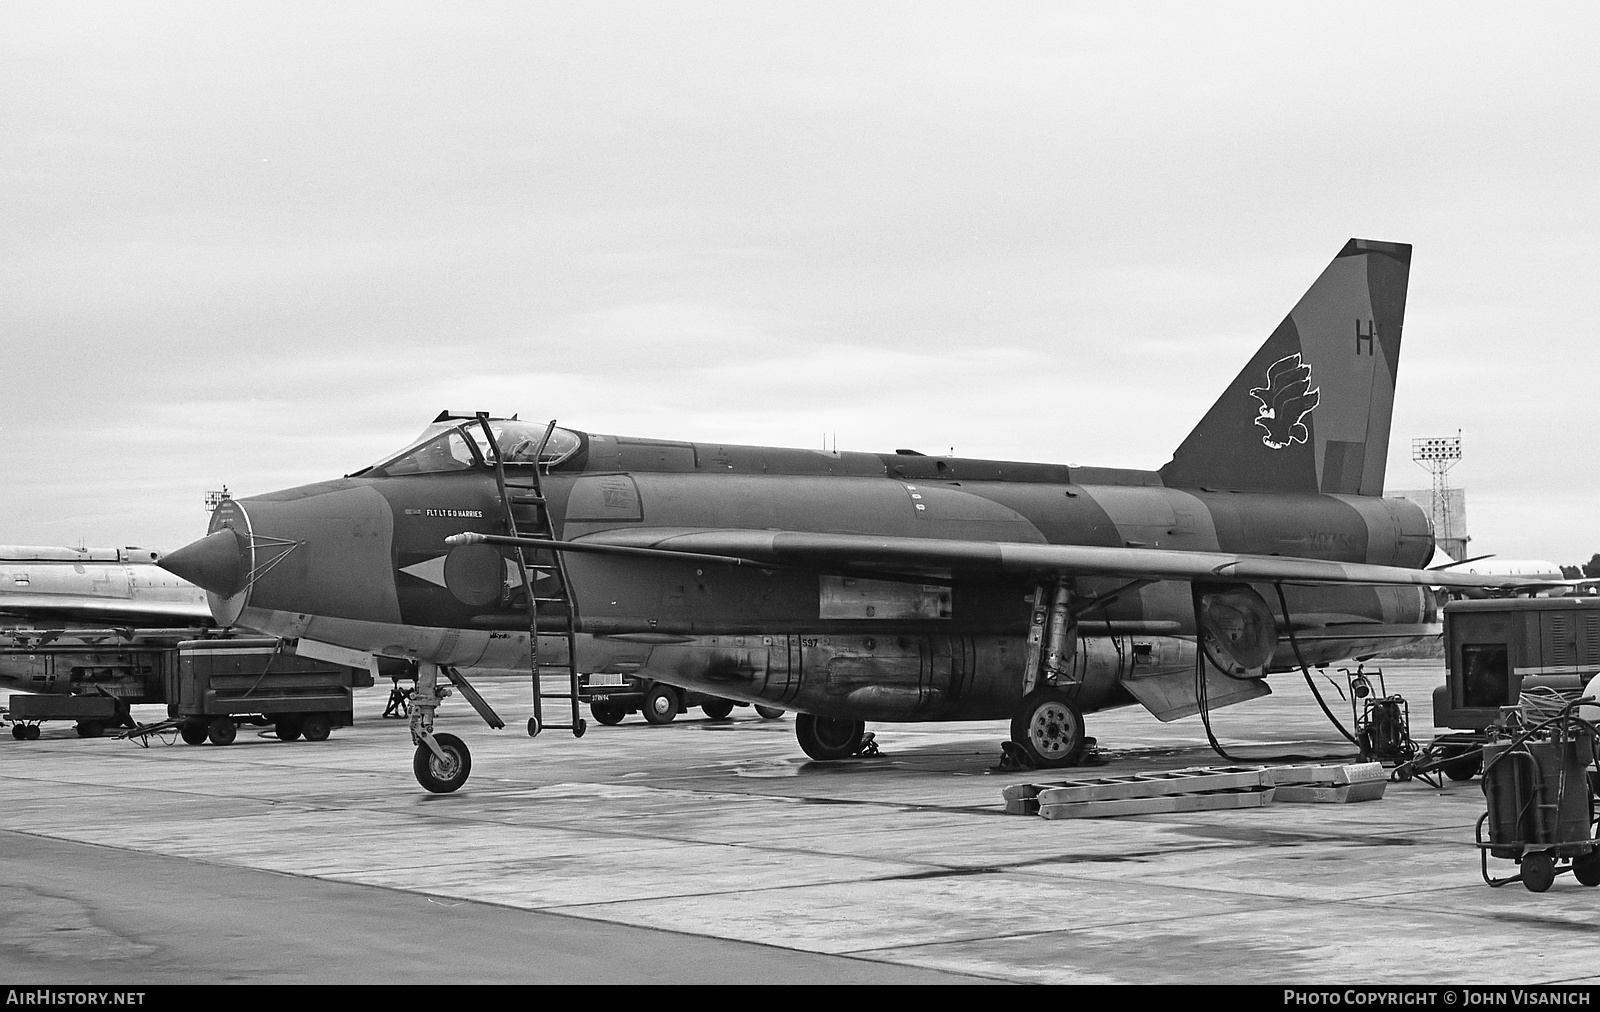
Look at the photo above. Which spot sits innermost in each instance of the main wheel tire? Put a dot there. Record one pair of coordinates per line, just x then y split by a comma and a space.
193, 734
19, 732
661, 705
718, 710
442, 777
90, 729
316, 726
222, 731
288, 729
826, 738
1538, 871
769, 712
608, 713
1049, 728
33, 732
1586, 868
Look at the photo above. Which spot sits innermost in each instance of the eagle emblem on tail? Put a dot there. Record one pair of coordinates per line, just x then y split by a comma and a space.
1286, 400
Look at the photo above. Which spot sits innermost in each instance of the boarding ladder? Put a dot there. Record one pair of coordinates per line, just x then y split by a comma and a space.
524, 506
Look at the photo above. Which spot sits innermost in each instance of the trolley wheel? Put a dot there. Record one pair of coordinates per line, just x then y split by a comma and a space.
661, 705
1049, 728
534, 727
769, 712
608, 713
222, 731
288, 729
1586, 868
315, 726
90, 729
1538, 871
718, 710
826, 738
442, 777
579, 728
192, 734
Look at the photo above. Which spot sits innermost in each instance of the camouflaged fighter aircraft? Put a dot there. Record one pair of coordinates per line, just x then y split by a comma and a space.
865, 586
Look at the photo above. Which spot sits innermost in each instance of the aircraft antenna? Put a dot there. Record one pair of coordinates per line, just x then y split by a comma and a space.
1439, 454
214, 499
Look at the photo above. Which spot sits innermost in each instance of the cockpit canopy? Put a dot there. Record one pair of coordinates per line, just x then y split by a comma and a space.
456, 444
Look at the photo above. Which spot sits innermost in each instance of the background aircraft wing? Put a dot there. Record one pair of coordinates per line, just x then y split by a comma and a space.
869, 555
1582, 585
110, 611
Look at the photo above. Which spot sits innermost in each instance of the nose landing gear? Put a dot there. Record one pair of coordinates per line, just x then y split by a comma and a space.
442, 763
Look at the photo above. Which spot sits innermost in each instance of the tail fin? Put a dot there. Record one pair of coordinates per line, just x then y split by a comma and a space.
1311, 411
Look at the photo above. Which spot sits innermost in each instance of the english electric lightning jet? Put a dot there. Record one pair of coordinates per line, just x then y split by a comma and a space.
874, 586
82, 620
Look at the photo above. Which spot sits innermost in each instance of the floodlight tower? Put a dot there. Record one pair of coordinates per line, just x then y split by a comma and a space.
1439, 454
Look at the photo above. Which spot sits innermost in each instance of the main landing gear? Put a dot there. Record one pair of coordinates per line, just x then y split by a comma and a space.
826, 738
1048, 728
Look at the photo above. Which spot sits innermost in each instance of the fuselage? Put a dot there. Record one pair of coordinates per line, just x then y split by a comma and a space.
361, 562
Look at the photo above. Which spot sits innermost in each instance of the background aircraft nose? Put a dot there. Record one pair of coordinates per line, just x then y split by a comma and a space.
218, 562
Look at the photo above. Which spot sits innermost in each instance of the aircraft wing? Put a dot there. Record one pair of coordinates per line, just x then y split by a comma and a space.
107, 611
869, 555
1581, 585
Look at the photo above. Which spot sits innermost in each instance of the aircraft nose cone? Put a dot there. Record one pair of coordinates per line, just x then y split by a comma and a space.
218, 562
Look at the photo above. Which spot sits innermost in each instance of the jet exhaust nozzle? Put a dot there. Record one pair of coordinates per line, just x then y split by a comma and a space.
218, 562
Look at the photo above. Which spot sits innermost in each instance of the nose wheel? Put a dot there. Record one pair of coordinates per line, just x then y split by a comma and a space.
442, 762
446, 769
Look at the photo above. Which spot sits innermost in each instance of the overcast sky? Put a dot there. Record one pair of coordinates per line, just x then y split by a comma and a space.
264, 245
